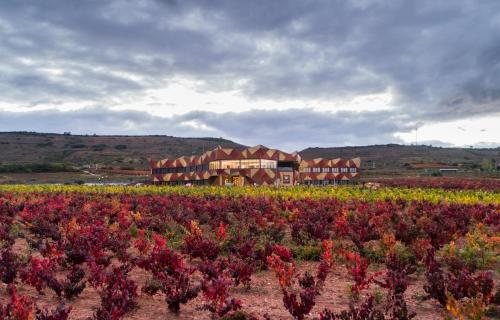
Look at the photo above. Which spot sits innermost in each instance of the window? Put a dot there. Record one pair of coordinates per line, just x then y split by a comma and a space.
325, 170
268, 164
335, 169
316, 169
230, 164
250, 164
214, 165
306, 169
352, 170
343, 169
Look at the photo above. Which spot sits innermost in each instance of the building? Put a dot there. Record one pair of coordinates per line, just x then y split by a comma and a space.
253, 166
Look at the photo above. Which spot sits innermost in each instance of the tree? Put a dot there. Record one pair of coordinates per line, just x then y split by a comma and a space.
487, 164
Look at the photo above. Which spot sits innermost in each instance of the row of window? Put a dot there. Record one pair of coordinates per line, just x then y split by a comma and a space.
184, 183
306, 182
222, 164
327, 182
327, 170
243, 164
198, 168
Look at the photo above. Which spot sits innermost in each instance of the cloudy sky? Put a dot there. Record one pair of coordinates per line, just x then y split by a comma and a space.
286, 74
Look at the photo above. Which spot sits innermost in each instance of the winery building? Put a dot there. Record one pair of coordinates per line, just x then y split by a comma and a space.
253, 166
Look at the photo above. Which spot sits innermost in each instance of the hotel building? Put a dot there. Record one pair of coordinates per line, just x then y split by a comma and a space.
253, 166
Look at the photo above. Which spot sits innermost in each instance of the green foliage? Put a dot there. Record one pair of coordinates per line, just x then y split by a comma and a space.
45, 144
77, 146
478, 249
308, 253
488, 164
36, 167
120, 147
98, 147
404, 253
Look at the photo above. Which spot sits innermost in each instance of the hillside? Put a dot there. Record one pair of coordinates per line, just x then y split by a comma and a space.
397, 157
127, 152
117, 151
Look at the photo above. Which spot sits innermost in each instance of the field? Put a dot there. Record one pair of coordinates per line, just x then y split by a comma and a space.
409, 252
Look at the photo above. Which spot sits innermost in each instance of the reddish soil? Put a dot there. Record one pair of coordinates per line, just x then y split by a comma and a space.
263, 297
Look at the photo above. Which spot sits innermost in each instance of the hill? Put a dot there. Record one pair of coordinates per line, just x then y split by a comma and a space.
31, 149
23, 148
393, 157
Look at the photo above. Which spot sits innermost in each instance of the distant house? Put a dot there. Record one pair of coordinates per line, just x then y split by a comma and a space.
253, 166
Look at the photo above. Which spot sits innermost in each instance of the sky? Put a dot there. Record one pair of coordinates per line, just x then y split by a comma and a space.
285, 74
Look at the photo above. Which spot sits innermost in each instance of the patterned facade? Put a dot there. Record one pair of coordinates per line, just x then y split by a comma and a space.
253, 166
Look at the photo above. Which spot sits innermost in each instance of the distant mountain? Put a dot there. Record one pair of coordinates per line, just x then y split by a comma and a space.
117, 151
22, 148
394, 156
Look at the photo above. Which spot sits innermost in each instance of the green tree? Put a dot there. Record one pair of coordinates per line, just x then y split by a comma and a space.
488, 164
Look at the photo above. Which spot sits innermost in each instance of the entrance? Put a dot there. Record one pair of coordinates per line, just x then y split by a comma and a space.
234, 181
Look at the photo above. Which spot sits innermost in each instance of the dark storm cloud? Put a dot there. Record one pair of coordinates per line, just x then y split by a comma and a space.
304, 127
440, 60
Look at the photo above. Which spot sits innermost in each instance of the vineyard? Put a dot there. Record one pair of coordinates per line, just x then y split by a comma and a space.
75, 252
448, 183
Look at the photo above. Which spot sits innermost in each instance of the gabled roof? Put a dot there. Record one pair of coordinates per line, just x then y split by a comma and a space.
256, 152
219, 153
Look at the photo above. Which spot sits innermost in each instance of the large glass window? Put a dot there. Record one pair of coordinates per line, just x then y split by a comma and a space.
268, 164
335, 169
230, 164
316, 169
343, 169
352, 170
325, 170
250, 164
214, 165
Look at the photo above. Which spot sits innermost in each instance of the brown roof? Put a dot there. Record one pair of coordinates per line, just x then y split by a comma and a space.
256, 152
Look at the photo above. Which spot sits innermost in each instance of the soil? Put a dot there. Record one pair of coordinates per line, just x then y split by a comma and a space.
264, 297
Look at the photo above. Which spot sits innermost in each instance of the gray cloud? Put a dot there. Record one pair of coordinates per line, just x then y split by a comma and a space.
441, 60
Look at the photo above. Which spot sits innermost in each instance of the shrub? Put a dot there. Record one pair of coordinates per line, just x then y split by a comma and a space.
216, 292
98, 147
359, 272
77, 146
9, 266
198, 247
39, 273
18, 308
170, 275
460, 284
117, 292
477, 250
366, 311
60, 313
308, 253
241, 270
300, 301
